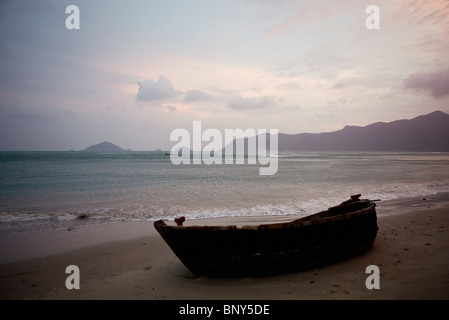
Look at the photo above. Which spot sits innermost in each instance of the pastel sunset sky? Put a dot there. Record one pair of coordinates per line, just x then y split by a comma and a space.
136, 70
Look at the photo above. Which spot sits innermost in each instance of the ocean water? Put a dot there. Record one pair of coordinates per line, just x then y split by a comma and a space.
51, 190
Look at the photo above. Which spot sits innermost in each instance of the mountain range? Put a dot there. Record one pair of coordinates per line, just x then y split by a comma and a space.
426, 133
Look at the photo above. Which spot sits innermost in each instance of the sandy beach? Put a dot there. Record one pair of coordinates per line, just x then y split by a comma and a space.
131, 261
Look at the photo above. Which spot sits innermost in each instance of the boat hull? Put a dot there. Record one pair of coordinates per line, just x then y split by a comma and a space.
335, 234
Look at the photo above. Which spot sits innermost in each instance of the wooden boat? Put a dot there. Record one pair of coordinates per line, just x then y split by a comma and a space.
338, 233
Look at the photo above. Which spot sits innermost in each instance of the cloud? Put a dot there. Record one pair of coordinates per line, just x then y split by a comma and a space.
291, 85
251, 103
339, 85
436, 83
171, 108
32, 113
195, 95
150, 90
283, 16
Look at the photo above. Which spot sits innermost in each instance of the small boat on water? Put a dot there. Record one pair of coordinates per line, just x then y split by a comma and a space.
338, 233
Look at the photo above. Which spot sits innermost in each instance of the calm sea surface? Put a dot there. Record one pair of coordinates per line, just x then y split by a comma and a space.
49, 190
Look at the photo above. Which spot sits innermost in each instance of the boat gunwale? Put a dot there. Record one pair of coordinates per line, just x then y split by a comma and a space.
161, 226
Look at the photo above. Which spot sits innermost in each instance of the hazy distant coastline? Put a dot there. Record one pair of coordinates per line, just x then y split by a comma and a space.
105, 147
425, 133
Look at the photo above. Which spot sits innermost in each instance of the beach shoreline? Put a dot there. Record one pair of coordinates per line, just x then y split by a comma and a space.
129, 260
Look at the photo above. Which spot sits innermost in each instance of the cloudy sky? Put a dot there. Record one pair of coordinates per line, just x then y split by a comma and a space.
136, 70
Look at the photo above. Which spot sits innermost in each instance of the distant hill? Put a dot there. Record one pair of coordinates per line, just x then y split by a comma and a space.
428, 133
105, 147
